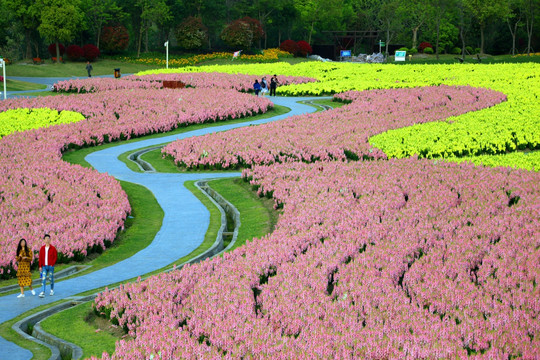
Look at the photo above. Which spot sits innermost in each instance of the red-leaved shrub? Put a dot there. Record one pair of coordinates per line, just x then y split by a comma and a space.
114, 38
304, 48
91, 52
74, 52
289, 46
52, 49
424, 45
255, 26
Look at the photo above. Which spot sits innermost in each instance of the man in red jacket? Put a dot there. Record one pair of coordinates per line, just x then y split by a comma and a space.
47, 260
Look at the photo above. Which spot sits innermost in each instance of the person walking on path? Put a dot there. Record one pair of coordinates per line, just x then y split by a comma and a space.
47, 260
257, 87
273, 85
24, 259
264, 86
89, 68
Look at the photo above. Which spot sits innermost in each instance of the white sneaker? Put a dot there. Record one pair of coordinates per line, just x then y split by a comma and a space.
33, 292
52, 292
41, 294
20, 295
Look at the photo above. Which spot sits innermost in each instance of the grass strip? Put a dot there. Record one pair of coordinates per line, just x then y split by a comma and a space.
89, 331
70, 69
17, 85
257, 214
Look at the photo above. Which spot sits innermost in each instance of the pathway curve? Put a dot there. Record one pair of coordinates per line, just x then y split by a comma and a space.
48, 81
183, 229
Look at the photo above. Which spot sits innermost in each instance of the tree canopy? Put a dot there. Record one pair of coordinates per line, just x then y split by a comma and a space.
492, 26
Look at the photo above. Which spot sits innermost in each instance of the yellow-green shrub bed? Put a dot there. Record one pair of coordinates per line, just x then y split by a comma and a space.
502, 129
19, 120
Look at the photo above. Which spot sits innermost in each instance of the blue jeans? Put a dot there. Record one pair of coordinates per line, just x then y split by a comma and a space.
45, 271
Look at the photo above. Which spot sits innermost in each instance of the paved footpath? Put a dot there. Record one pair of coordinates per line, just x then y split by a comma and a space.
49, 81
184, 224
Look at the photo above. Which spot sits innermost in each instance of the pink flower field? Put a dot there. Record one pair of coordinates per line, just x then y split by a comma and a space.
381, 259
346, 130
384, 259
81, 208
238, 82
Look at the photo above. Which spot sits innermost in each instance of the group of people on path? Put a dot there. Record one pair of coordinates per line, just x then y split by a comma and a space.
47, 259
262, 87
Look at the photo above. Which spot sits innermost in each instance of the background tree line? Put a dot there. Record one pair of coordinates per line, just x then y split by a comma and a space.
27, 27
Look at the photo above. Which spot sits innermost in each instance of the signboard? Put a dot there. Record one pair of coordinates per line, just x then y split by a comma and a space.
345, 53
400, 56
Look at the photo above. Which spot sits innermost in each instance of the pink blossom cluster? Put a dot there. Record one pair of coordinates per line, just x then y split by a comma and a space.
332, 135
385, 259
238, 82
79, 207
102, 84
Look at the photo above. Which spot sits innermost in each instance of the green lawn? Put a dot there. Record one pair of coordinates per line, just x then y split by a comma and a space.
16, 85
257, 214
80, 325
101, 67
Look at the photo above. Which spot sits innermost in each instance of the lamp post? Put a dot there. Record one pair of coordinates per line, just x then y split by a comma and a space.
3, 66
167, 52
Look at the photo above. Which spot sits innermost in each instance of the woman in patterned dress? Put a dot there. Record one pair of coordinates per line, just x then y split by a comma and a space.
24, 258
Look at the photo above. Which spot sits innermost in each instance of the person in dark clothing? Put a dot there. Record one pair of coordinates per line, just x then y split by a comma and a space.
89, 68
257, 87
273, 85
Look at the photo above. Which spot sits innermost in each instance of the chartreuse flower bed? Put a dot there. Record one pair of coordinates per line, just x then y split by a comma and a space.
18, 120
507, 127
267, 55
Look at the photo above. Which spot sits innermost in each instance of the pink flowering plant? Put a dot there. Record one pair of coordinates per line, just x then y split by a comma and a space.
238, 82
347, 130
387, 259
406, 258
82, 208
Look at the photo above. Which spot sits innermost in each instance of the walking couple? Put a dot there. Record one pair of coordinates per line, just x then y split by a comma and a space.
47, 260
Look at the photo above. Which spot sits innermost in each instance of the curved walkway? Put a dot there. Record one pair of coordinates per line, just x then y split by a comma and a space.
48, 81
183, 229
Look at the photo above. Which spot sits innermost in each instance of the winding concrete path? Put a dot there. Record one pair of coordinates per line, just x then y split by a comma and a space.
184, 224
48, 81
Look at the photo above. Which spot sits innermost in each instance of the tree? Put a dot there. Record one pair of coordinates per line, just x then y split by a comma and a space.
100, 12
530, 8
515, 21
23, 11
316, 15
389, 21
284, 19
191, 33
414, 16
60, 20
239, 33
484, 11
149, 12
438, 11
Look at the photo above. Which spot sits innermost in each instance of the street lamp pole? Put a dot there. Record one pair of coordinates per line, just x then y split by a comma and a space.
3, 66
167, 52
